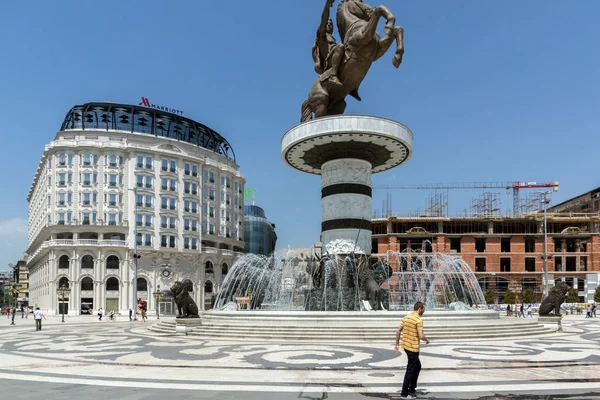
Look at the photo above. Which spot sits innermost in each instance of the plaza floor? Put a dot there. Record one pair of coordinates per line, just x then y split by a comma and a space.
124, 360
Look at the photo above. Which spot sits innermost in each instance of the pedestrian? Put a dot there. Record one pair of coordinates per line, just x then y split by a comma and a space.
26, 312
100, 312
521, 313
411, 329
8, 312
529, 314
22, 312
13, 312
508, 310
588, 311
37, 316
144, 315
130, 314
594, 310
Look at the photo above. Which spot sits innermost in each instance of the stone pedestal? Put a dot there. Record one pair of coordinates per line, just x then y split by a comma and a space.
345, 150
551, 321
185, 325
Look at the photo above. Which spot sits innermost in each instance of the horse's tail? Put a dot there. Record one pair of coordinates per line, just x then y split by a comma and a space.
306, 112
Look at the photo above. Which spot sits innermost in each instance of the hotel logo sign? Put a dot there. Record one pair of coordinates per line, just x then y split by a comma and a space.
146, 103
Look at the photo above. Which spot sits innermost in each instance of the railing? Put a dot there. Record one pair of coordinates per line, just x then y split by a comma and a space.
210, 250
78, 242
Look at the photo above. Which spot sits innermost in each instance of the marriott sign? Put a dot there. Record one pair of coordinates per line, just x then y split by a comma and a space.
147, 103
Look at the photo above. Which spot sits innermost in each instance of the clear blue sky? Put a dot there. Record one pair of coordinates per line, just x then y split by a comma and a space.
493, 91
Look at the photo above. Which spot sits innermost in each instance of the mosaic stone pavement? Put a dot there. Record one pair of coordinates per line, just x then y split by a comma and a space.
126, 355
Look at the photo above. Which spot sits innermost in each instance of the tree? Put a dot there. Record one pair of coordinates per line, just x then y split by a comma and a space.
528, 296
509, 297
489, 296
597, 295
572, 296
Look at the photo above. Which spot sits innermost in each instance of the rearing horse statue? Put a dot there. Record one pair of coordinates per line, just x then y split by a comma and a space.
362, 45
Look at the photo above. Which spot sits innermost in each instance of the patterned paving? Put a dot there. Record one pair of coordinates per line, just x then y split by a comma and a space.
103, 354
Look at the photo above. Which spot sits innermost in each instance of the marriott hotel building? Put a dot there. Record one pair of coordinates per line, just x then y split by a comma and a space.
121, 180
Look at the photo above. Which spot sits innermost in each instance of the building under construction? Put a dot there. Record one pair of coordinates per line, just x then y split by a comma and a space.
505, 250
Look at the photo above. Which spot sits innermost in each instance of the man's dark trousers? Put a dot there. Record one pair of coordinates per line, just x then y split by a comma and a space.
412, 372
38, 324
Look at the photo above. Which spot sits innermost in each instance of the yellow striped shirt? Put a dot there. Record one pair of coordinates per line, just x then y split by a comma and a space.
410, 334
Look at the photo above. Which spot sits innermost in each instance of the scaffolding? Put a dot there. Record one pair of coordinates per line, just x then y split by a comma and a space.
532, 203
437, 204
486, 205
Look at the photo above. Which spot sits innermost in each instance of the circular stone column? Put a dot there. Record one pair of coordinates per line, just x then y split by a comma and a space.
345, 150
346, 202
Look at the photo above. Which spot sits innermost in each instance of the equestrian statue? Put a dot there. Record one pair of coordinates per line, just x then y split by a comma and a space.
343, 66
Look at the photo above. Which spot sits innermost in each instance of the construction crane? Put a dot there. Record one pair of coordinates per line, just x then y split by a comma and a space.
516, 187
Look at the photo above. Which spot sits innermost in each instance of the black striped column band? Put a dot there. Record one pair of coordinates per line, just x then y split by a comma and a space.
346, 223
346, 188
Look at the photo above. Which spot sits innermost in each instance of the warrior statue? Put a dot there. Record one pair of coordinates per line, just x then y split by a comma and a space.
342, 67
327, 53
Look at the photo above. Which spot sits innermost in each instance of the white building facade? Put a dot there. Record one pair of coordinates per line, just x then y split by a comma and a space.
122, 180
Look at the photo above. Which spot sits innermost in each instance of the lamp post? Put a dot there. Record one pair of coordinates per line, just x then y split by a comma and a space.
136, 256
62, 292
545, 201
157, 298
15, 293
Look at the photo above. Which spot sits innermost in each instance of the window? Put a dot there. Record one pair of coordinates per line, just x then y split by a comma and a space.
113, 160
87, 261
194, 170
480, 245
480, 264
186, 242
148, 202
208, 268
112, 284
61, 179
112, 262
187, 169
140, 162
186, 205
505, 245
172, 185
224, 269
112, 219
172, 203
504, 264
86, 198
63, 262
142, 285
173, 166
164, 202
211, 194
194, 225
87, 179
112, 180
87, 284
558, 264
147, 239
138, 239
164, 184
208, 287
112, 199
530, 264
61, 199
61, 218
455, 245
186, 224
194, 244
148, 162
194, 207
167, 241
529, 245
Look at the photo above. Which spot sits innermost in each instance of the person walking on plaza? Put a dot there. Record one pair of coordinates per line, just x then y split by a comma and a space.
130, 314
100, 312
13, 312
508, 310
588, 311
37, 316
411, 329
22, 312
521, 311
594, 310
529, 314
26, 312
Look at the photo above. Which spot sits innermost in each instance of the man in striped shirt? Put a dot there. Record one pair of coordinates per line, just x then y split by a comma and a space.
411, 329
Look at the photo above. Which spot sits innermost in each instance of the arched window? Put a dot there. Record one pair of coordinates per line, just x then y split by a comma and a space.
63, 282
63, 262
87, 283
224, 269
112, 283
87, 261
208, 268
112, 262
142, 285
208, 287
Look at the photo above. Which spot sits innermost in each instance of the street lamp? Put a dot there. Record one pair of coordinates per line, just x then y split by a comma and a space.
157, 298
63, 291
15, 293
545, 200
136, 256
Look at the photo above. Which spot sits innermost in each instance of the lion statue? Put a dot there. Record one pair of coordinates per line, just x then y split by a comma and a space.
186, 306
552, 303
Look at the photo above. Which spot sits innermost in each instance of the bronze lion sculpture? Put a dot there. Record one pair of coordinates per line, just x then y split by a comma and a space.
551, 304
186, 306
